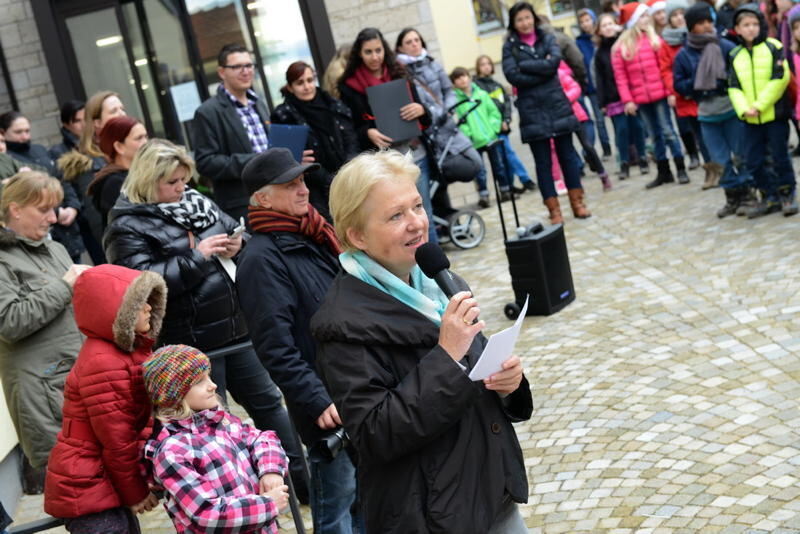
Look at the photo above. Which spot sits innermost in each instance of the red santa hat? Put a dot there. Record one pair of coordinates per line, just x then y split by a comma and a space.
631, 13
655, 6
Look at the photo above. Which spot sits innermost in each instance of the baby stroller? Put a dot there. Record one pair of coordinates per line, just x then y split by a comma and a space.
462, 227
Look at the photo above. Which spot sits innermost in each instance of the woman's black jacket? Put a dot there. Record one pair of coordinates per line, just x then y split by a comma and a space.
202, 303
331, 149
544, 110
436, 452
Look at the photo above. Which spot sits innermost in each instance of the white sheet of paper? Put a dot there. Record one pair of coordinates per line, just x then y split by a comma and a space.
229, 267
499, 348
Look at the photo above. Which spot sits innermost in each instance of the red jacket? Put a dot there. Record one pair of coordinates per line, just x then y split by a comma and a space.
666, 59
638, 79
96, 463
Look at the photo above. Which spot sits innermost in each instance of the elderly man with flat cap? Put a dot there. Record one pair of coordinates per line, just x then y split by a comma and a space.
284, 273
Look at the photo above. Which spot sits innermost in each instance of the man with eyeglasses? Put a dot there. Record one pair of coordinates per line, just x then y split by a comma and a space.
230, 128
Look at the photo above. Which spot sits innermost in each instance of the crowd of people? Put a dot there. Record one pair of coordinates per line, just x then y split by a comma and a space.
296, 281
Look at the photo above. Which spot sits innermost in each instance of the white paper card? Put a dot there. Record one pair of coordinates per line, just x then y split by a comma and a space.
499, 348
228, 265
186, 99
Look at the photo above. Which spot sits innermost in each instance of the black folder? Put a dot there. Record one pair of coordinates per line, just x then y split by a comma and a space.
291, 136
386, 100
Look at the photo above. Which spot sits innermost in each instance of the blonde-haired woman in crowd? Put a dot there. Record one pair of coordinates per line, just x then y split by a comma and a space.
38, 337
634, 58
395, 353
160, 224
80, 165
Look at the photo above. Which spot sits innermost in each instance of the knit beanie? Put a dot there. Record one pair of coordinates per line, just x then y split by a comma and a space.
674, 5
587, 11
655, 6
631, 13
697, 13
171, 371
793, 16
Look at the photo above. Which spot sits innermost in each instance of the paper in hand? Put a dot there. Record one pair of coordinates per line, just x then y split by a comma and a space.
499, 348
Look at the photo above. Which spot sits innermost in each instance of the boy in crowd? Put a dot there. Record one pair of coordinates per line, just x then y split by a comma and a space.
482, 123
705, 82
759, 76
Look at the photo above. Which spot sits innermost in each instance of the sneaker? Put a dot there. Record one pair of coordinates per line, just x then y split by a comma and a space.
606, 152
644, 168
763, 207
505, 196
624, 171
561, 188
747, 202
529, 186
517, 190
483, 203
693, 162
606, 182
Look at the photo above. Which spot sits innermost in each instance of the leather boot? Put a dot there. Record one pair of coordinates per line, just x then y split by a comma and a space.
579, 209
709, 179
683, 177
555, 210
733, 197
664, 175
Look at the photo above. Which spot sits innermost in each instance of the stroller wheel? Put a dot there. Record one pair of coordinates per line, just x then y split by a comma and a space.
512, 310
466, 229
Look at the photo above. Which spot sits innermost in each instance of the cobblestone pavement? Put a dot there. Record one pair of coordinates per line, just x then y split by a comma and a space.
666, 396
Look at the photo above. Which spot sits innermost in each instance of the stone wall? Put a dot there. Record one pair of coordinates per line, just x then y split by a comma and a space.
30, 76
348, 17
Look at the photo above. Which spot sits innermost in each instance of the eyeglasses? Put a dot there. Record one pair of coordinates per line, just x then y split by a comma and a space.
240, 67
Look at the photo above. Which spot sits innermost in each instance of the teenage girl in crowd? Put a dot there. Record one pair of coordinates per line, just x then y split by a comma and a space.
220, 475
531, 58
371, 63
484, 70
573, 91
94, 477
634, 58
627, 128
674, 35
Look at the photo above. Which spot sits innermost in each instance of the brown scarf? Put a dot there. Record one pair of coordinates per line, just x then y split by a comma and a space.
311, 224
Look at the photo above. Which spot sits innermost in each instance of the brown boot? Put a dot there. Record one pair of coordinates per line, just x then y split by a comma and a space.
555, 210
579, 209
712, 175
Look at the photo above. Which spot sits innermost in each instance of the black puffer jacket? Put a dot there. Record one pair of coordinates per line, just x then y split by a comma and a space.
202, 303
331, 149
436, 452
544, 110
282, 279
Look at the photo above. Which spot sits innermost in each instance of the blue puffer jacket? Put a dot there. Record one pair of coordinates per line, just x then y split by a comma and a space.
544, 111
685, 68
587, 47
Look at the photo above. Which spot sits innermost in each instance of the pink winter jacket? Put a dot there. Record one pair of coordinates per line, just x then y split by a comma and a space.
639, 78
572, 89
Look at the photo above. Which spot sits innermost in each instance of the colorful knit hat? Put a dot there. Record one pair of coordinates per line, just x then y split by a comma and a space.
171, 372
631, 13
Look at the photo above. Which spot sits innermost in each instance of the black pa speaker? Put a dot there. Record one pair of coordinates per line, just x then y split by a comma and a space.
539, 266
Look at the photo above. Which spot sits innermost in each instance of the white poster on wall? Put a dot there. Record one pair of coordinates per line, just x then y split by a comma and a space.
186, 99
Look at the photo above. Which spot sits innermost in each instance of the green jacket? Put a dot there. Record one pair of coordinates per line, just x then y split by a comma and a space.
39, 339
483, 124
758, 78
9, 166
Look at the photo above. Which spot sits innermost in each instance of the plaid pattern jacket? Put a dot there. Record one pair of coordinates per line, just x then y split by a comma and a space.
210, 466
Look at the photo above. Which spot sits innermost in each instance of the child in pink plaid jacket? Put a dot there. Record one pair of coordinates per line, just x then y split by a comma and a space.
220, 475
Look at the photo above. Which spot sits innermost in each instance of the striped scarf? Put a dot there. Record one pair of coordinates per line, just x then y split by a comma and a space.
311, 224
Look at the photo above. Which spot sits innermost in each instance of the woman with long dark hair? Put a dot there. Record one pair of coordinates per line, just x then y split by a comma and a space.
531, 57
331, 135
371, 63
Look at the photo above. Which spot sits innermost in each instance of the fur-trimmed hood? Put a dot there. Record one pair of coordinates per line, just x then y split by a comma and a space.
73, 164
107, 300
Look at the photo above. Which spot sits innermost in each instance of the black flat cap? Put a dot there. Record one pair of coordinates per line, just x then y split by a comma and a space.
273, 166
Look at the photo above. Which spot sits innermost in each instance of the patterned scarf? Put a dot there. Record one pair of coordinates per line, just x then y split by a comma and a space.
311, 224
363, 78
193, 211
422, 295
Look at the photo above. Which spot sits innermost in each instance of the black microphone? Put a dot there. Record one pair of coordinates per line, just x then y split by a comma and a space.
433, 262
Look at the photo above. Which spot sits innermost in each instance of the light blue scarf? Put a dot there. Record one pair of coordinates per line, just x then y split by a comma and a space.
423, 294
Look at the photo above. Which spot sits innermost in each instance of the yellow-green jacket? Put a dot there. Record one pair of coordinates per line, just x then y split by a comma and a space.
758, 78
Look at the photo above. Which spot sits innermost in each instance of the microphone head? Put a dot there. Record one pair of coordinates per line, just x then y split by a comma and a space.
431, 259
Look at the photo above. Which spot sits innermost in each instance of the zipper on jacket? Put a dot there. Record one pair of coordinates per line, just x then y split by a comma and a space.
753, 79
